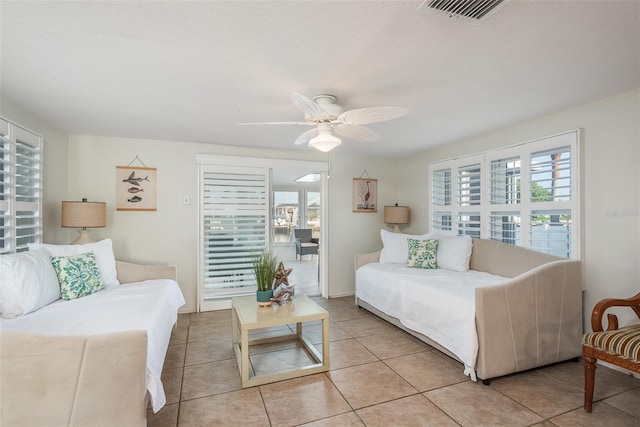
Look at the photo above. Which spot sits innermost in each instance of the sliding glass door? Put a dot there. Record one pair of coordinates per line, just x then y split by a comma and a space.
313, 212
237, 219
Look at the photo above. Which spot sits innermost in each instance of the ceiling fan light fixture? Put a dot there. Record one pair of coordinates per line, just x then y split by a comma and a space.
325, 142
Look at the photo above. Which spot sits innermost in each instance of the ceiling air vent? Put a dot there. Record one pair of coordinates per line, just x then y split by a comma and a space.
469, 10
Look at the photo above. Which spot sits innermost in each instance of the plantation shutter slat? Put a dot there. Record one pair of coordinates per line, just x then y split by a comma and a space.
550, 231
20, 187
441, 188
504, 181
469, 197
505, 227
468, 185
469, 224
551, 175
235, 228
441, 199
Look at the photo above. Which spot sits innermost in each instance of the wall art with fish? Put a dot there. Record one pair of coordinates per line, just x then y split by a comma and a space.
136, 188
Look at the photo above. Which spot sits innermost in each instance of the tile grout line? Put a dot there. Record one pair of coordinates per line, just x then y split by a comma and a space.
427, 349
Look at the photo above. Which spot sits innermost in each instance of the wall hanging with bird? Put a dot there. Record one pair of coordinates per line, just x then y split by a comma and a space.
365, 195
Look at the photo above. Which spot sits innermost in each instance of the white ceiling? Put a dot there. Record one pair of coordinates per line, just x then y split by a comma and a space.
190, 71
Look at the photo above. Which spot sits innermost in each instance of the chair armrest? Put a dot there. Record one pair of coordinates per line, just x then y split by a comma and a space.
315, 240
129, 272
603, 305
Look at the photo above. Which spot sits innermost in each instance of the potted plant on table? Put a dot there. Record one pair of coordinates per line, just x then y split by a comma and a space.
265, 265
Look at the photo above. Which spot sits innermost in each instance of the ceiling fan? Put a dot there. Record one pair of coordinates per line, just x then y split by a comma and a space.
326, 116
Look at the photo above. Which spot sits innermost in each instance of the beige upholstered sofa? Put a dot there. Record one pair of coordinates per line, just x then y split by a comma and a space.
532, 318
79, 380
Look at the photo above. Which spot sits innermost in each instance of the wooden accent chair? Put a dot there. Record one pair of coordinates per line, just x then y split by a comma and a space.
620, 347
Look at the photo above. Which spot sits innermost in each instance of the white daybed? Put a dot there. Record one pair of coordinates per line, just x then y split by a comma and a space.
95, 360
514, 309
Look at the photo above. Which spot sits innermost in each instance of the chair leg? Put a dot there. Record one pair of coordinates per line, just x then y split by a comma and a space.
589, 379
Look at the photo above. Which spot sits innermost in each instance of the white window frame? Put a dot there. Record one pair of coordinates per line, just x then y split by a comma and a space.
15, 234
454, 209
525, 207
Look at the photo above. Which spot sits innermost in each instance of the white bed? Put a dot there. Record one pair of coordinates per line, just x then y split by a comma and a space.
150, 305
437, 303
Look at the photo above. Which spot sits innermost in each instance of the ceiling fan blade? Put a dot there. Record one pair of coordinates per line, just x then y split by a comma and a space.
358, 132
277, 123
308, 106
363, 116
306, 136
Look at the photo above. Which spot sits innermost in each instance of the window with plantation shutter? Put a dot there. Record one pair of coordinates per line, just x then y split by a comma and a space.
551, 175
441, 220
550, 232
441, 199
469, 224
441, 194
20, 187
504, 197
456, 193
235, 228
468, 185
504, 226
523, 195
504, 181
469, 198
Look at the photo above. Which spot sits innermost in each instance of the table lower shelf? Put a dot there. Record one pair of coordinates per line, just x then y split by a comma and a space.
241, 350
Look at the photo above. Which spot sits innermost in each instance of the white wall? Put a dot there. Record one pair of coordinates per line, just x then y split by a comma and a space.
55, 149
84, 166
610, 192
352, 233
169, 235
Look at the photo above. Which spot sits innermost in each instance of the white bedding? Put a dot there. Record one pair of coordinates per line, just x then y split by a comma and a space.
151, 305
437, 303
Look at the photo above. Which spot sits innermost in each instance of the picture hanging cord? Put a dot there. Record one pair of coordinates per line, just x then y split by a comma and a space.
138, 159
365, 173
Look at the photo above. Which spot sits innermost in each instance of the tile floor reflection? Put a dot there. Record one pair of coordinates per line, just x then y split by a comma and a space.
304, 274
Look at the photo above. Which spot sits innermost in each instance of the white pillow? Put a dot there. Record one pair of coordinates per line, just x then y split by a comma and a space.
104, 256
395, 249
27, 282
454, 252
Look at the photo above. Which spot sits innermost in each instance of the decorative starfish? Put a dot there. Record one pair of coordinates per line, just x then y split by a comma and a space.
282, 275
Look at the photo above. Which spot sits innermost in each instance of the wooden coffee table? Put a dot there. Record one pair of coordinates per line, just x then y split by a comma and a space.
247, 316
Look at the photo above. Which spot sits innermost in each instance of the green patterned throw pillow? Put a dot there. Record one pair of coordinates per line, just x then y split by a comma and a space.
78, 275
422, 253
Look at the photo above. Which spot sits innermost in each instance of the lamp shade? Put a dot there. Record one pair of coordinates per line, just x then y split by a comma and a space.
325, 142
84, 214
396, 215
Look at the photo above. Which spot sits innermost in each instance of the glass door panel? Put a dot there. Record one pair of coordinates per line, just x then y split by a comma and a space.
313, 213
286, 215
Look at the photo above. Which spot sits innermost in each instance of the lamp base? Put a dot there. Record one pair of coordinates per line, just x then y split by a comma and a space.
396, 228
84, 237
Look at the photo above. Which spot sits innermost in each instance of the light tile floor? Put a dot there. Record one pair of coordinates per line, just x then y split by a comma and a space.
304, 274
380, 376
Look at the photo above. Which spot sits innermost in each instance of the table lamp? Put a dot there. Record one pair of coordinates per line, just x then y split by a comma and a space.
84, 215
396, 215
